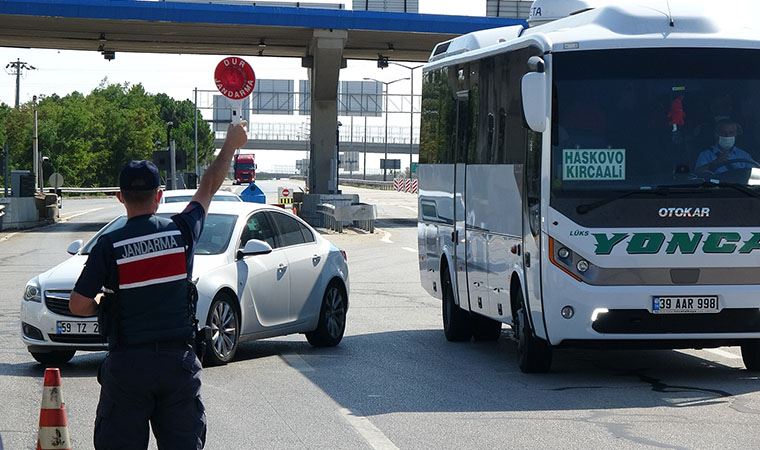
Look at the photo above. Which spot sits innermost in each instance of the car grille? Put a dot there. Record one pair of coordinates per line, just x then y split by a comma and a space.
58, 302
641, 321
77, 338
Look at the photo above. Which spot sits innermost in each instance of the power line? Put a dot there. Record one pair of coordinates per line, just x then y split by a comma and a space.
15, 68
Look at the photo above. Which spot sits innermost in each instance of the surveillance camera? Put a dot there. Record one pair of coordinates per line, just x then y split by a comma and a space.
109, 55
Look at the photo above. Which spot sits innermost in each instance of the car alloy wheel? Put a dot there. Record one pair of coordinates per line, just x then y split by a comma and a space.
335, 313
223, 329
224, 324
332, 318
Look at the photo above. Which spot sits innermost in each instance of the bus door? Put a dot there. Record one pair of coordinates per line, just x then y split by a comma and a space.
460, 236
532, 231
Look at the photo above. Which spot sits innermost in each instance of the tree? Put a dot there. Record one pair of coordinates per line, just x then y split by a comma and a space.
88, 137
181, 114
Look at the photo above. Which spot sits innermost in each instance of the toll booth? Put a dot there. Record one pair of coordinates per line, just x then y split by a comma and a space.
22, 183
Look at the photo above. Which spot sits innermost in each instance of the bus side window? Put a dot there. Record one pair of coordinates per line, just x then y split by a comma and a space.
489, 134
533, 180
501, 142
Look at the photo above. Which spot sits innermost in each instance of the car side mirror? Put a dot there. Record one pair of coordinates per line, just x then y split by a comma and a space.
254, 247
74, 247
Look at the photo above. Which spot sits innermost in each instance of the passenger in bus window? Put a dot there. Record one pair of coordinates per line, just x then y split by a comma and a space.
724, 155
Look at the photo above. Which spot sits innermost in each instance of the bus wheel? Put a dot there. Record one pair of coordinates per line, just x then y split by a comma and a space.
456, 321
484, 328
535, 353
751, 355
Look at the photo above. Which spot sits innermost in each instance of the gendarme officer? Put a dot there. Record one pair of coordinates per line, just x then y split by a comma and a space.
151, 373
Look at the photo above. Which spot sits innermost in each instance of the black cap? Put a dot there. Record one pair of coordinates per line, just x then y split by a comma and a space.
139, 176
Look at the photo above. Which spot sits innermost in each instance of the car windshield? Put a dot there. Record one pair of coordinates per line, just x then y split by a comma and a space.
244, 166
187, 198
622, 123
214, 239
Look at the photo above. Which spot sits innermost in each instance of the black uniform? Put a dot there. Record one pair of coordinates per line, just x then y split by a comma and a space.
151, 372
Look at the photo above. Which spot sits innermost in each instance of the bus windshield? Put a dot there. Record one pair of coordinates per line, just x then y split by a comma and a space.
651, 120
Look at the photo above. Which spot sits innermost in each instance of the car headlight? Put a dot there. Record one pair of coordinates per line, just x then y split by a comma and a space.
32, 292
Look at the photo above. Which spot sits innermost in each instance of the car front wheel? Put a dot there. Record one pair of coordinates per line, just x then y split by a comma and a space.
54, 357
332, 318
225, 331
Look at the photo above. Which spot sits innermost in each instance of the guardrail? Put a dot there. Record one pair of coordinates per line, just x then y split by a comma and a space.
359, 215
382, 185
96, 190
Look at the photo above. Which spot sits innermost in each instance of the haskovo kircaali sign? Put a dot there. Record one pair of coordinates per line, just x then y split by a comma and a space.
593, 164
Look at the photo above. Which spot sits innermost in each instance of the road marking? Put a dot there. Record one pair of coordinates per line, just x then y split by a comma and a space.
63, 219
374, 437
5, 238
386, 236
723, 353
409, 249
298, 363
73, 216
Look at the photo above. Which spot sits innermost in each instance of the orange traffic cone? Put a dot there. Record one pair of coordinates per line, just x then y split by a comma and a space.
54, 431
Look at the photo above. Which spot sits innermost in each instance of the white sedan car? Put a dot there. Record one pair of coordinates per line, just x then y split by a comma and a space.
185, 195
260, 272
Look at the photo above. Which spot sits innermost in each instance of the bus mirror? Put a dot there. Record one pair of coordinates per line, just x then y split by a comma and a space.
534, 100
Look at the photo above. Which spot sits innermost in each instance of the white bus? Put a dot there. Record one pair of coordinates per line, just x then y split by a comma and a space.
593, 180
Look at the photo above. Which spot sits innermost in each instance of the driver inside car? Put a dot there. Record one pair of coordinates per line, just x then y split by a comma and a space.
724, 155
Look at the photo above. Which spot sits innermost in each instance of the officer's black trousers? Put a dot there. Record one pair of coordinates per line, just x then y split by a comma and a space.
160, 386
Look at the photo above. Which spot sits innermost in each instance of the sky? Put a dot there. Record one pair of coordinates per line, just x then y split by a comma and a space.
62, 72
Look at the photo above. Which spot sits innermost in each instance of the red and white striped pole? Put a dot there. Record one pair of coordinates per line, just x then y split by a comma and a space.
54, 431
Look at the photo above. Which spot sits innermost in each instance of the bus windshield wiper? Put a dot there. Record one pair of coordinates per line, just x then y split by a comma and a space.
716, 183
665, 188
586, 207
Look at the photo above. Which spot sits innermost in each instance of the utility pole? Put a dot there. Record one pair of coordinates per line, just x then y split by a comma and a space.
6, 168
15, 68
36, 152
197, 171
171, 185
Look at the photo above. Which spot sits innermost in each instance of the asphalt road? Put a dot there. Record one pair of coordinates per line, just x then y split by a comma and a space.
395, 382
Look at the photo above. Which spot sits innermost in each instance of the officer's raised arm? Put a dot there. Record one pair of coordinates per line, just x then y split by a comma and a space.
212, 179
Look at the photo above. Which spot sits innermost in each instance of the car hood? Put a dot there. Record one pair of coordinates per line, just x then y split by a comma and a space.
64, 275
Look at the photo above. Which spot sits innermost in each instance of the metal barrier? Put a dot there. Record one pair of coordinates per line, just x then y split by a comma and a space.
94, 190
358, 215
382, 185
82, 190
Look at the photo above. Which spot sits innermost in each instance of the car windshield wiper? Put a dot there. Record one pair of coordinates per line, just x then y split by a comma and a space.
715, 184
586, 207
